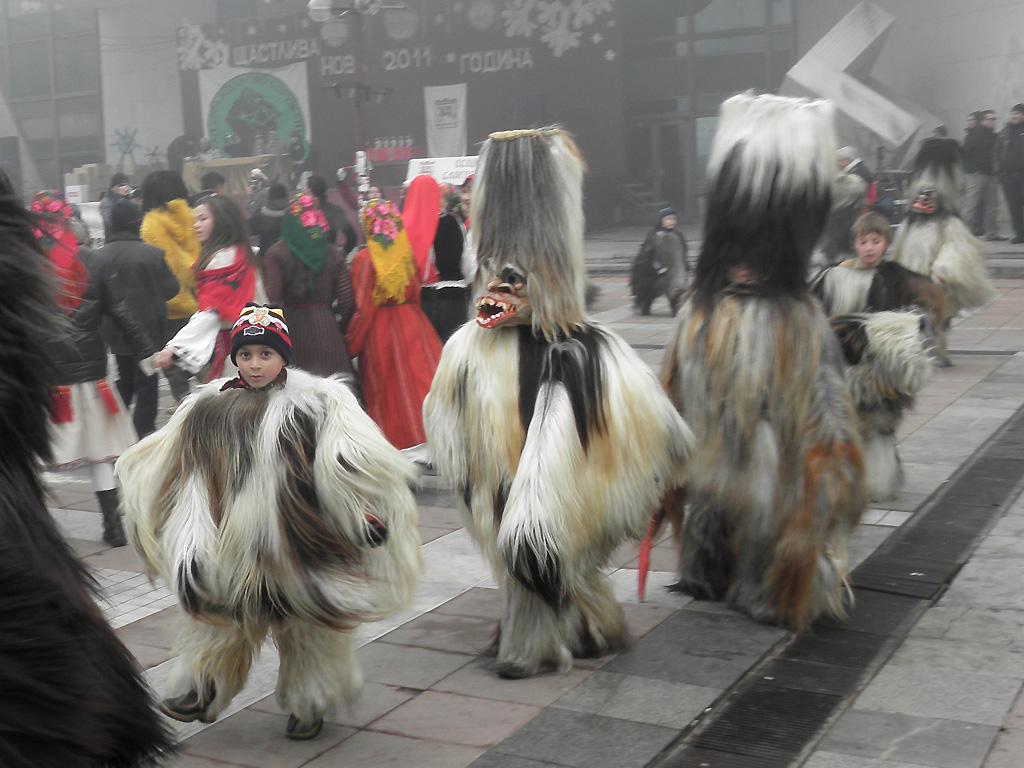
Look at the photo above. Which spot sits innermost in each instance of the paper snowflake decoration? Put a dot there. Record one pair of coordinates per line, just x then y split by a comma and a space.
560, 22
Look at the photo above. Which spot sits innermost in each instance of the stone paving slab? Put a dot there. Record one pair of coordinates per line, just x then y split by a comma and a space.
918, 740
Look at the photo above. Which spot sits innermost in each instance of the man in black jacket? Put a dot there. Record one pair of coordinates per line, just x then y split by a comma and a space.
146, 283
981, 188
1010, 165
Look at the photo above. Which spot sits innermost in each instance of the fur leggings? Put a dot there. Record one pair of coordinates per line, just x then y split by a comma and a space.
317, 669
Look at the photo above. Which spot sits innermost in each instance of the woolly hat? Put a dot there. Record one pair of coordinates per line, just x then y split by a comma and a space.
118, 179
125, 216
261, 324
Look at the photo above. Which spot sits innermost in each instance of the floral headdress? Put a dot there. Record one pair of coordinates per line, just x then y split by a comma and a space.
390, 252
306, 209
52, 214
382, 221
305, 231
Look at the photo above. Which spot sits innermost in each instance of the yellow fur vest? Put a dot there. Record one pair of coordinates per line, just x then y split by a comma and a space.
170, 229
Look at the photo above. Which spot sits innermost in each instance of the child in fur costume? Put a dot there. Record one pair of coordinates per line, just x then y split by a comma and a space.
869, 283
556, 436
934, 240
271, 502
72, 694
776, 484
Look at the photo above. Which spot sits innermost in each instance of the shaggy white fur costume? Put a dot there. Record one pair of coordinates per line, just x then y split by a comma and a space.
259, 509
557, 438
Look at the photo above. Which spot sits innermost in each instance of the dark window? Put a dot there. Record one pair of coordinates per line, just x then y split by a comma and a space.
30, 70
720, 15
77, 64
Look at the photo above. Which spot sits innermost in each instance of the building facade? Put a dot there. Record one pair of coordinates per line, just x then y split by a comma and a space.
637, 81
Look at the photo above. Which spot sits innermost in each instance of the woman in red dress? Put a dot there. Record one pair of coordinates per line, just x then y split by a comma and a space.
397, 346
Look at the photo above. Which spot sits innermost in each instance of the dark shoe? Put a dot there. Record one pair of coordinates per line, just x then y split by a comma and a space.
296, 730
113, 532
996, 238
185, 708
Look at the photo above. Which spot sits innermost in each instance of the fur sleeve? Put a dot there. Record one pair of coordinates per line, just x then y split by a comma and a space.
444, 408
364, 484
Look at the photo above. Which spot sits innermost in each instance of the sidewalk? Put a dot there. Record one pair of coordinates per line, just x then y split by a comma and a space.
910, 681
611, 252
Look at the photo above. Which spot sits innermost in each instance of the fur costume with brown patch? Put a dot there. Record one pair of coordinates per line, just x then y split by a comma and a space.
266, 510
887, 366
775, 486
556, 436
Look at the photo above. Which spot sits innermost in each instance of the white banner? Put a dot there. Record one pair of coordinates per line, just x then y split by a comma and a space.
446, 120
445, 170
251, 102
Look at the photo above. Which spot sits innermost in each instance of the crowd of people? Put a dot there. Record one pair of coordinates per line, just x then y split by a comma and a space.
324, 338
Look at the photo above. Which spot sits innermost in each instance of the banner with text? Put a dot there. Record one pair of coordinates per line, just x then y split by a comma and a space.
446, 120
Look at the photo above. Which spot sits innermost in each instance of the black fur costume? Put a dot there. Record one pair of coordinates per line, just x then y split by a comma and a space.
73, 697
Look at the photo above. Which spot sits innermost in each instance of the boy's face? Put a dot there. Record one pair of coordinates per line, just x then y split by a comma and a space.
258, 365
870, 249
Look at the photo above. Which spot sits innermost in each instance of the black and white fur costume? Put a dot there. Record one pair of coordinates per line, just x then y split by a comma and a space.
558, 440
73, 696
775, 486
939, 244
255, 508
887, 366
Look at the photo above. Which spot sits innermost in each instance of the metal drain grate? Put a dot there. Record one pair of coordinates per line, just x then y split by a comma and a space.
768, 722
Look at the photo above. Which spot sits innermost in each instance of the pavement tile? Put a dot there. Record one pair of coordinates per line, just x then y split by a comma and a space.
837, 760
185, 760
86, 547
455, 719
639, 699
158, 629
706, 649
441, 517
1016, 717
445, 632
925, 741
583, 740
641, 618
120, 558
495, 759
986, 626
624, 584
257, 739
477, 601
148, 656
368, 749
408, 666
428, 533
1008, 750
375, 701
478, 679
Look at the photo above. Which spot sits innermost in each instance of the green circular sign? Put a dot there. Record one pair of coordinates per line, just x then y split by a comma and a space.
255, 104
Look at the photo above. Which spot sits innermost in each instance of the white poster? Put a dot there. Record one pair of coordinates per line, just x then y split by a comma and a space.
446, 120
241, 105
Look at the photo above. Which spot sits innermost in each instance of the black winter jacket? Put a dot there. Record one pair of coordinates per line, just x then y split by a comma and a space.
979, 150
79, 355
146, 283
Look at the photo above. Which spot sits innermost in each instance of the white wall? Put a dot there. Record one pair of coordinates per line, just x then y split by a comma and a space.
139, 65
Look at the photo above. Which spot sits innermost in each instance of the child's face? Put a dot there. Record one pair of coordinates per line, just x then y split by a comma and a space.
870, 249
258, 365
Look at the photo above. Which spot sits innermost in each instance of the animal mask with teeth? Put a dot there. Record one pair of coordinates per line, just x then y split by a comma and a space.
528, 226
506, 302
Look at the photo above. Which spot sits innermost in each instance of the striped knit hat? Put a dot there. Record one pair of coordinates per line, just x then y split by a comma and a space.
261, 324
